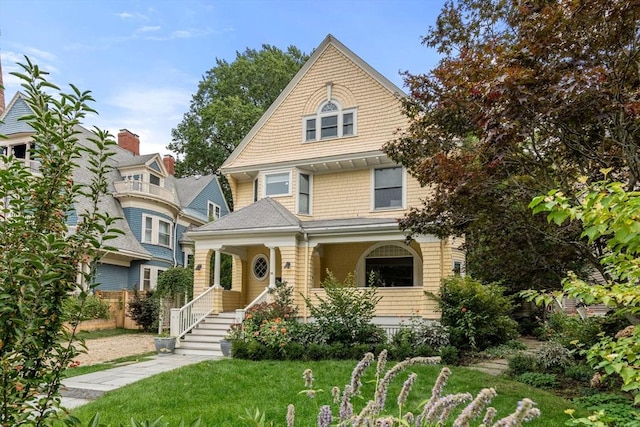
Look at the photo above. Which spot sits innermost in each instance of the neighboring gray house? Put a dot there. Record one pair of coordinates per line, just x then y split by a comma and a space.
155, 207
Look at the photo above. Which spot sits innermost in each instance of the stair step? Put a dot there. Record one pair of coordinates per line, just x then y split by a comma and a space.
205, 337
209, 332
202, 338
199, 345
199, 352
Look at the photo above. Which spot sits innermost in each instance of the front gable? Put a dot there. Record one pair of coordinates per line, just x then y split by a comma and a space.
11, 123
333, 75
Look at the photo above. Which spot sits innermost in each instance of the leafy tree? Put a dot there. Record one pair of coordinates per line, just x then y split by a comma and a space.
230, 99
40, 258
606, 211
529, 96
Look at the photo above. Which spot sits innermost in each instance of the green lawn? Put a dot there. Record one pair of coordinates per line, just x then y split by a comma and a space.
82, 370
221, 391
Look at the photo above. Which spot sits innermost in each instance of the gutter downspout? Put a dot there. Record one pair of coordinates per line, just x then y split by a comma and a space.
306, 275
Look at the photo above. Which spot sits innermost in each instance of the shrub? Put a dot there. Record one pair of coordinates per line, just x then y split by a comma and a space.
580, 372
345, 315
449, 355
613, 409
88, 307
521, 363
281, 308
567, 328
144, 310
422, 332
477, 315
538, 379
553, 356
503, 351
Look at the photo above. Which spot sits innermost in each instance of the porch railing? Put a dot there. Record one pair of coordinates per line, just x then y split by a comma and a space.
133, 186
185, 318
263, 297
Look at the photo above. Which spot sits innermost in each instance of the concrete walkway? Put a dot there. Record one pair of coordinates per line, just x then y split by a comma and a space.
82, 389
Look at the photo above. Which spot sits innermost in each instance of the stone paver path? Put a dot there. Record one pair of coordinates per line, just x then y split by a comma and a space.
500, 366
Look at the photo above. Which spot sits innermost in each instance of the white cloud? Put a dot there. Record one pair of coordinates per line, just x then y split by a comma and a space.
150, 113
181, 34
148, 28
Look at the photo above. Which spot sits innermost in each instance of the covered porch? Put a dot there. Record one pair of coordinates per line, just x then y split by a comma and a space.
270, 244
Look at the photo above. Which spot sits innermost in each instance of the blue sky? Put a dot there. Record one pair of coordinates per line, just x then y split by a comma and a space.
143, 59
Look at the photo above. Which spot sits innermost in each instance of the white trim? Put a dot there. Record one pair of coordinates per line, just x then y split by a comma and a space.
253, 264
361, 278
319, 115
403, 202
310, 210
281, 172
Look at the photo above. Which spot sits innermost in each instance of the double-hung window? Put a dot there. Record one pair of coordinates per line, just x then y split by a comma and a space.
149, 277
388, 188
277, 184
213, 211
331, 121
156, 231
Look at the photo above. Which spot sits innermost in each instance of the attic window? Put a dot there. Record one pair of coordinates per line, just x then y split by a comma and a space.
328, 107
331, 121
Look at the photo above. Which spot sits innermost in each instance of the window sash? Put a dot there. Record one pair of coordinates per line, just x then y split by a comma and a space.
328, 126
277, 184
388, 188
303, 194
146, 279
311, 129
164, 233
347, 124
154, 179
148, 229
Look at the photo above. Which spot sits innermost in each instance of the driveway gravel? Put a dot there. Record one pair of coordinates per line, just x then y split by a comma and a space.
106, 349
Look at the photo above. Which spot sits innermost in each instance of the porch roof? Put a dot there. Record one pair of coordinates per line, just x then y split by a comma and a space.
264, 214
267, 215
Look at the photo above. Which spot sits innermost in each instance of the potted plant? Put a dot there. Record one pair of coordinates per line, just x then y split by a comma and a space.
226, 343
164, 344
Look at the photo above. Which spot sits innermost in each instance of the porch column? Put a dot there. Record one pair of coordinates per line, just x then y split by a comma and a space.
272, 267
216, 271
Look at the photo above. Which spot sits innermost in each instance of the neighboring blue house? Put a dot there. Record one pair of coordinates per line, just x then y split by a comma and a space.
156, 208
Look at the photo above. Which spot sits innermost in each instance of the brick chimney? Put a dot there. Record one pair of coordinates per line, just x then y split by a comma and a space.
129, 141
169, 163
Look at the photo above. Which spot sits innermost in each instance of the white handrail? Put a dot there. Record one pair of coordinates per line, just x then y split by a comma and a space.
185, 318
260, 298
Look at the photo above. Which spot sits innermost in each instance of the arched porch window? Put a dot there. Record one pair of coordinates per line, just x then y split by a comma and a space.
390, 264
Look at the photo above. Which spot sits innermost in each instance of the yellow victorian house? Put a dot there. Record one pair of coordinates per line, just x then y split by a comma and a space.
313, 193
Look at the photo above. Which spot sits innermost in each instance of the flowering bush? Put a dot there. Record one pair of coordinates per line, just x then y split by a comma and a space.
477, 315
272, 333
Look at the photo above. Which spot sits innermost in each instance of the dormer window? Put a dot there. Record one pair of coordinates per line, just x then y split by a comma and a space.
331, 121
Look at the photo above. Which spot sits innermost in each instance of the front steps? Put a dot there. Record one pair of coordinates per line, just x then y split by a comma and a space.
204, 339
